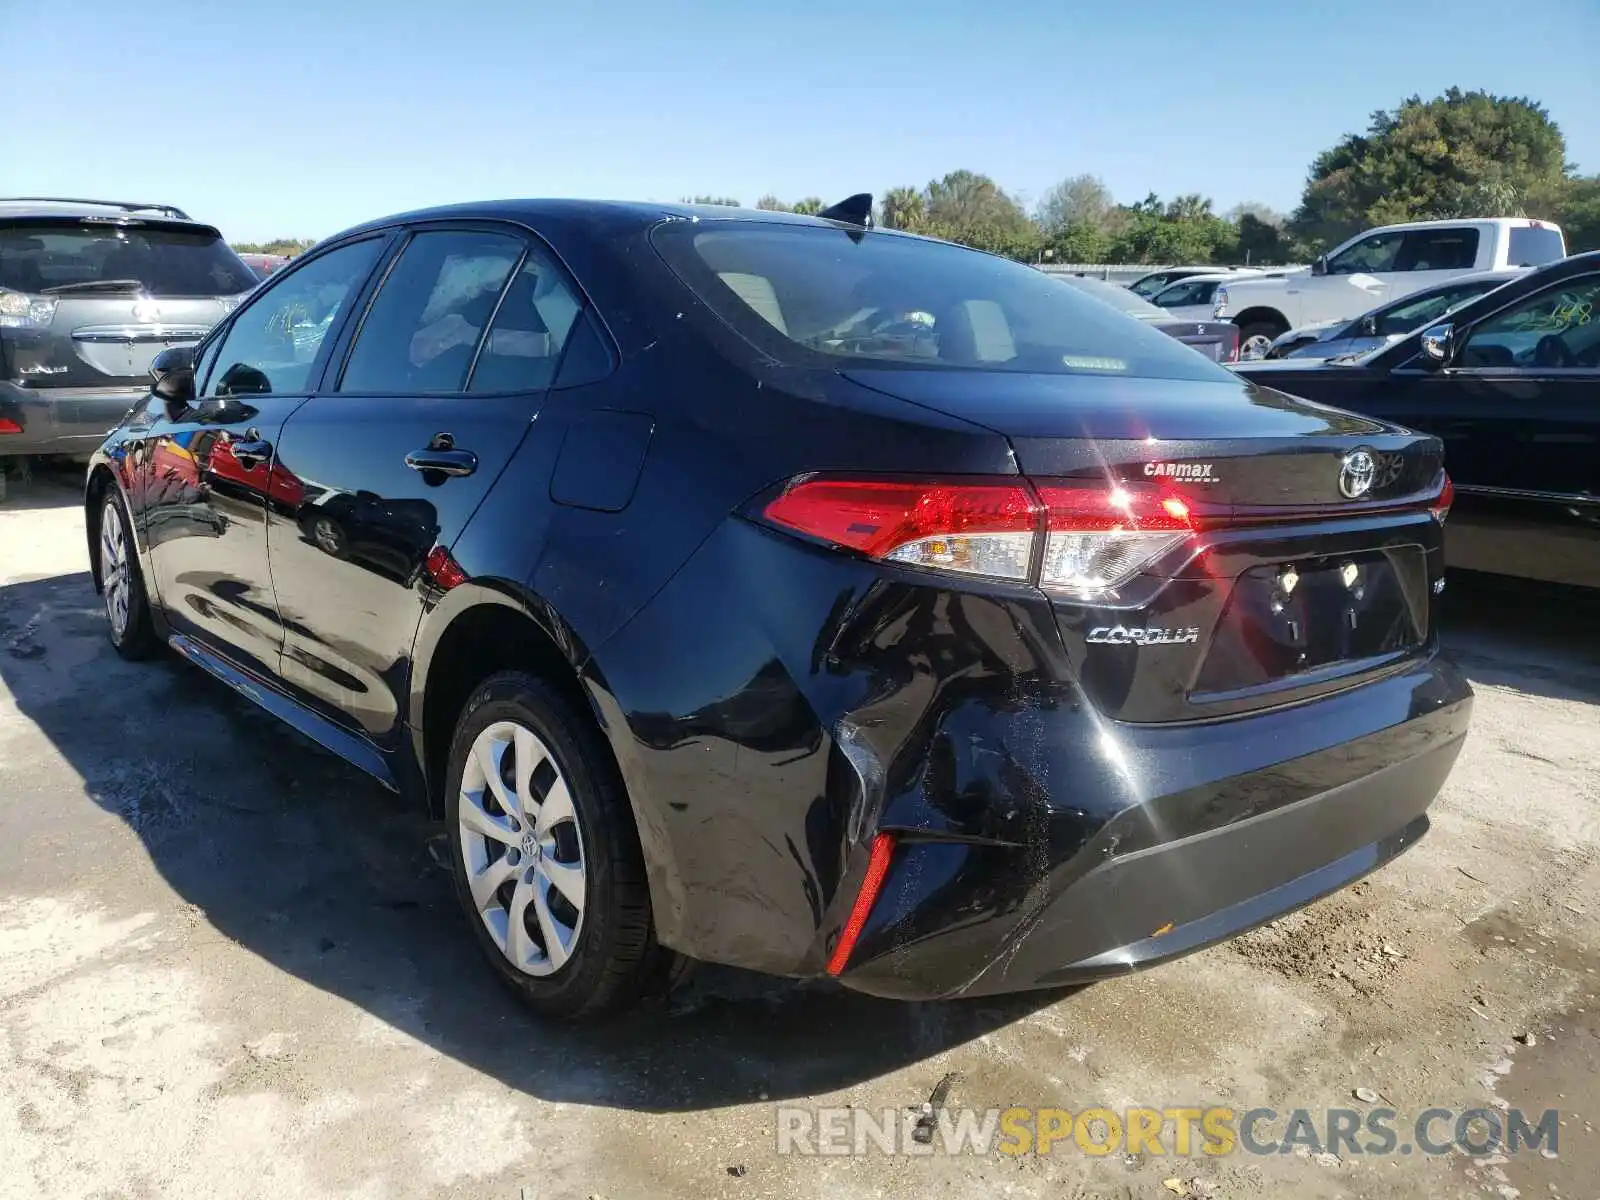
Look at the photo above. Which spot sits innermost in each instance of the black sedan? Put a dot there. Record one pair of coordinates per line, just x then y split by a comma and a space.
1217, 340
777, 591
1511, 383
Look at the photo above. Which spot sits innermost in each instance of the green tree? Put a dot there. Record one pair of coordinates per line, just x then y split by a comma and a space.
723, 201
967, 201
282, 245
1459, 154
1574, 204
770, 203
903, 208
1079, 242
810, 206
1082, 200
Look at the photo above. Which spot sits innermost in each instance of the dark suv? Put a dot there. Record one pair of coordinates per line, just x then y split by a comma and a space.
90, 291
781, 592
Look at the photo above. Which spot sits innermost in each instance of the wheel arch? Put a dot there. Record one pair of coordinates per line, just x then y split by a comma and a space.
1262, 314
478, 629
102, 480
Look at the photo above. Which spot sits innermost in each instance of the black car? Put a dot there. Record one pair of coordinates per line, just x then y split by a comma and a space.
90, 292
1217, 340
1511, 383
796, 595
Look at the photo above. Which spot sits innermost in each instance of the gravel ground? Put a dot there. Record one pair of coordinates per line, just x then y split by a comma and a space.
229, 965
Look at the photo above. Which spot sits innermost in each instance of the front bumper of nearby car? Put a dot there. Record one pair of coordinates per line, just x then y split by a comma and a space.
60, 421
1231, 826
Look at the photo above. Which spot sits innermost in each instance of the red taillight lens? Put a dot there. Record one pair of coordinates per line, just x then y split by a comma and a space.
440, 567
1233, 345
977, 528
1440, 508
871, 885
1097, 538
7, 426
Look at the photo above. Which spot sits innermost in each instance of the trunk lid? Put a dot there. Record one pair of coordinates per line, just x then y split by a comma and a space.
1314, 557
111, 341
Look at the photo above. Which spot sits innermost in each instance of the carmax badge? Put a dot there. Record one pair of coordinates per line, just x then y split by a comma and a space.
1193, 472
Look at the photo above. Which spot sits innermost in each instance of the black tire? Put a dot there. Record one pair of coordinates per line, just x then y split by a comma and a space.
136, 640
1267, 330
616, 961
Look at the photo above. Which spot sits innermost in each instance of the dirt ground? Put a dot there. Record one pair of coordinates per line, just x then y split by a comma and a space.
231, 966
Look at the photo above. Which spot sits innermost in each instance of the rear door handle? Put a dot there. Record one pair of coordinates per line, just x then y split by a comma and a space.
445, 462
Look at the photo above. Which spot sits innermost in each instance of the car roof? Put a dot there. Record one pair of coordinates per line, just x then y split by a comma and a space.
619, 215
1437, 223
52, 206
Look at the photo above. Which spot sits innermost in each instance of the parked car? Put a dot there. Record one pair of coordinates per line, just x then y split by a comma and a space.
89, 292
1190, 299
1379, 266
1388, 323
264, 264
787, 593
1511, 383
1148, 285
1217, 340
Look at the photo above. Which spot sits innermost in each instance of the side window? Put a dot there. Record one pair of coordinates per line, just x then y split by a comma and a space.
203, 364
1438, 250
529, 331
1368, 256
1403, 318
420, 333
273, 344
1180, 294
1559, 327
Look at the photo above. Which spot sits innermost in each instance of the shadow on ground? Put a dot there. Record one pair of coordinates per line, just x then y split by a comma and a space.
308, 864
1543, 641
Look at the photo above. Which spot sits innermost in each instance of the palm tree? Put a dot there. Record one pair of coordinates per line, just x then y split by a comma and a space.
903, 208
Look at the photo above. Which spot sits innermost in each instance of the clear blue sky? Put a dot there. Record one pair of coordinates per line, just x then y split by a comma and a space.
299, 118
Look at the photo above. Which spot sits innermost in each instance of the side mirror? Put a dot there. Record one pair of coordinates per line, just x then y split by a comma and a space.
1438, 344
1319, 265
1369, 326
173, 373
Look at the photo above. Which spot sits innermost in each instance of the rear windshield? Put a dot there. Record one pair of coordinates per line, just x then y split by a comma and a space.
48, 257
811, 294
1532, 247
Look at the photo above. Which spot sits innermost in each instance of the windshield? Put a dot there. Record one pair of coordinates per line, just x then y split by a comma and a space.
73, 256
816, 295
1121, 298
1403, 318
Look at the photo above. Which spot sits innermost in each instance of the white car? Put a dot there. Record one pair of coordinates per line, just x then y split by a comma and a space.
1192, 298
1377, 267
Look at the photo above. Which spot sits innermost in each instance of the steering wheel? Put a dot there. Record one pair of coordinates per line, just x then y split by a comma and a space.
1553, 352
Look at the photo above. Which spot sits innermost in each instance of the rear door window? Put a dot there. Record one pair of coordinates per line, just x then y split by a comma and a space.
423, 328
1439, 250
1533, 246
1370, 256
529, 332
823, 296
167, 261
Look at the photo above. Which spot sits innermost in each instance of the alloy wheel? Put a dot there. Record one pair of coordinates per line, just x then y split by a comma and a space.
522, 845
116, 584
1254, 348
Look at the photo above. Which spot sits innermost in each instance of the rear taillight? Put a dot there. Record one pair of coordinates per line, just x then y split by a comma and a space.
7, 426
18, 310
1097, 538
1082, 539
977, 528
1233, 344
1440, 508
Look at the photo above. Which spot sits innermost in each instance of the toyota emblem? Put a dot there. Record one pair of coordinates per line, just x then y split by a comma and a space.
1357, 470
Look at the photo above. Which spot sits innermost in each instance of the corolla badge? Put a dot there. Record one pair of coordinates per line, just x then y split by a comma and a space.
1132, 635
1357, 470
146, 310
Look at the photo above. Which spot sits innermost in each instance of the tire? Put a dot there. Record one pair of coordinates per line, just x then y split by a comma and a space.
608, 958
1255, 337
127, 604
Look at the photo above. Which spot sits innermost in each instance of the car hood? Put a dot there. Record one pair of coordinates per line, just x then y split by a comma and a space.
1027, 406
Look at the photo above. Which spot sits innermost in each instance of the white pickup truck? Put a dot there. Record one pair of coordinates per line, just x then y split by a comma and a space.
1376, 267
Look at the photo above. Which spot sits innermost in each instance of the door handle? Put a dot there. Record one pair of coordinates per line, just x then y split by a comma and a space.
252, 450
444, 461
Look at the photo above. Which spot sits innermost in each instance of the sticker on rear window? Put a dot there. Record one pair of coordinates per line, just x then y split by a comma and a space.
1084, 362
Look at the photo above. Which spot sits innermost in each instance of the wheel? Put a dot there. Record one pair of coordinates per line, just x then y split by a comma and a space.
122, 585
328, 534
545, 854
1255, 339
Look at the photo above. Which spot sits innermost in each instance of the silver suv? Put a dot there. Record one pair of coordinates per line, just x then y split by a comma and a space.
90, 292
